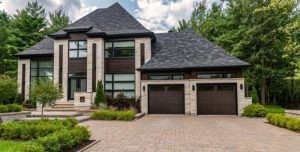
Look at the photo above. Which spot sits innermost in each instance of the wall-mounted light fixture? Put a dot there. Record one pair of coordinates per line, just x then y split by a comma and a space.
144, 88
193, 87
241, 86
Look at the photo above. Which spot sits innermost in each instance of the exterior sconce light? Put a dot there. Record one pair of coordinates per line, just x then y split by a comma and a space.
193, 87
241, 86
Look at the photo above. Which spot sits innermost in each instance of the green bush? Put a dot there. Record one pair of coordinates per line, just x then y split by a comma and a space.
113, 115
14, 108
3, 108
254, 95
64, 139
254, 110
282, 120
27, 130
8, 89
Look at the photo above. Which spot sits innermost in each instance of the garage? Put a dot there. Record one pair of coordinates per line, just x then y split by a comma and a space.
216, 99
166, 99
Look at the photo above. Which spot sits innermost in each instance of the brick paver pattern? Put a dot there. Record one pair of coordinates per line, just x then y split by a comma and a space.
191, 133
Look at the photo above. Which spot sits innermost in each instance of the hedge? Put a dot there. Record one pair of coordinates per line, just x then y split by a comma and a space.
65, 139
127, 115
254, 110
27, 130
282, 120
11, 108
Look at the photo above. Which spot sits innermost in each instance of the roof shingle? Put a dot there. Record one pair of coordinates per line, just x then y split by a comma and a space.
186, 49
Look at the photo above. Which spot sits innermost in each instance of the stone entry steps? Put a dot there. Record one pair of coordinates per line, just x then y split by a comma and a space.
55, 114
61, 106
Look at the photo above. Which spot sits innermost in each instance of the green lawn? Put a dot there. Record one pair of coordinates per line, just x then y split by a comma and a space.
11, 146
274, 109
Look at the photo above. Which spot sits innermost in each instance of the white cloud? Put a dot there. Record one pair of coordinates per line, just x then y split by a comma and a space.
161, 15
74, 8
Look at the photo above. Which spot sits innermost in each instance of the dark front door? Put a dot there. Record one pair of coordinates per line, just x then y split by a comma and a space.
166, 99
77, 83
216, 99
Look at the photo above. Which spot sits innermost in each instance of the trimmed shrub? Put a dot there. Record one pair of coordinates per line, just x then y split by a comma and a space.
281, 120
100, 99
65, 139
27, 130
3, 108
8, 89
14, 108
127, 115
254, 110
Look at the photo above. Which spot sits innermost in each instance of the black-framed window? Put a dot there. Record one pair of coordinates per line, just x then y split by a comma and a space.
41, 70
120, 83
166, 77
119, 49
214, 75
77, 49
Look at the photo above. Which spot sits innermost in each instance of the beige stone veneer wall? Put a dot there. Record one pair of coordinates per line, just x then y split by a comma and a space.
64, 43
147, 56
27, 76
191, 95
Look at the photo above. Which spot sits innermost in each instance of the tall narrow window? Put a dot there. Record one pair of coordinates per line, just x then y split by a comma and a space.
77, 49
41, 70
142, 53
120, 83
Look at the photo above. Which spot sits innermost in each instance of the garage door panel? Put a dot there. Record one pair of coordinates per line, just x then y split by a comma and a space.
166, 99
216, 99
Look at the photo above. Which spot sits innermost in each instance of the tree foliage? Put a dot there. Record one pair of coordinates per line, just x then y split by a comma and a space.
24, 29
45, 93
265, 33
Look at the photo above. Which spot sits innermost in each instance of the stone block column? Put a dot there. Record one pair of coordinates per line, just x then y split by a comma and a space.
26, 62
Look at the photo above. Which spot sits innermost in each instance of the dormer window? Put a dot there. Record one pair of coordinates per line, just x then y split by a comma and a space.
77, 49
119, 49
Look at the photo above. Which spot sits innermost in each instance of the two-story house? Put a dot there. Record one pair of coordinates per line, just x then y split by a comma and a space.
173, 73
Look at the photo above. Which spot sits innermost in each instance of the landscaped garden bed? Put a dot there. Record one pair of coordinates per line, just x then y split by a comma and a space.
126, 115
43, 135
284, 121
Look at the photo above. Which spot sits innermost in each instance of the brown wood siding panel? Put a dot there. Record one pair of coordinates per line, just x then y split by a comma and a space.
166, 100
94, 67
119, 65
23, 81
60, 65
77, 65
142, 45
78, 36
216, 101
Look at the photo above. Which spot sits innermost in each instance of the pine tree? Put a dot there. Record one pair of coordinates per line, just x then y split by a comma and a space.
100, 99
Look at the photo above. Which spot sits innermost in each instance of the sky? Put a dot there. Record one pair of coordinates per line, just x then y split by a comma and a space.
156, 15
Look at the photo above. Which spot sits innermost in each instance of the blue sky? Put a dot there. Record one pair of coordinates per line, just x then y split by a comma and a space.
156, 15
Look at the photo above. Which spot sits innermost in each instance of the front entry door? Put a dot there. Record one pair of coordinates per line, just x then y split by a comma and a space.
76, 84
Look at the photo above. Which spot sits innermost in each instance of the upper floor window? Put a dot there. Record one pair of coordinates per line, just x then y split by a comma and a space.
77, 49
41, 70
166, 77
216, 75
119, 49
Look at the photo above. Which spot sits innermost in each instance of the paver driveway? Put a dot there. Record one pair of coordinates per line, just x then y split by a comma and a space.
191, 133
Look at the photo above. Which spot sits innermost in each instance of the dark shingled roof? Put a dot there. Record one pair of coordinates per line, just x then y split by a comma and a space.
44, 47
186, 49
113, 21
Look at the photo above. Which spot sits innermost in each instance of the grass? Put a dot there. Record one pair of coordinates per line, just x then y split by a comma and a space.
274, 109
12, 146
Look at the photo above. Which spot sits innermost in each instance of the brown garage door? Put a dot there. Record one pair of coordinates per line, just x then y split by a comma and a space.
216, 99
166, 99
